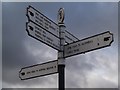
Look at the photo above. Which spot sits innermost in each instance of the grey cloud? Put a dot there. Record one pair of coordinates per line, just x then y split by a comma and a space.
77, 68
81, 67
82, 19
92, 17
13, 36
103, 83
14, 52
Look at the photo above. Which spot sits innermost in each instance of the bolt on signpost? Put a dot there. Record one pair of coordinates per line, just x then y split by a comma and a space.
56, 36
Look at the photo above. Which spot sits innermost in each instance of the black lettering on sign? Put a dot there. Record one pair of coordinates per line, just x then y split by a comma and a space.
31, 28
79, 44
47, 21
106, 38
49, 67
28, 72
44, 32
87, 42
38, 22
70, 52
46, 27
50, 42
23, 73
37, 32
46, 24
38, 28
32, 71
44, 36
42, 69
50, 39
52, 27
54, 66
47, 41
74, 46
76, 50
68, 48
38, 36
98, 44
39, 19
36, 13
32, 14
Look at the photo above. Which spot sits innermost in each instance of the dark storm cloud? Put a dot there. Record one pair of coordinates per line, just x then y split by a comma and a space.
13, 35
19, 50
15, 55
93, 17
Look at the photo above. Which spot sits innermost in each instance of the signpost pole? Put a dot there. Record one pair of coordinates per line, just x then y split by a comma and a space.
61, 59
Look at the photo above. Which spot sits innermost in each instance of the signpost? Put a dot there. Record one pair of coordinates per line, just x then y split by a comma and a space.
42, 35
39, 70
55, 35
42, 21
88, 44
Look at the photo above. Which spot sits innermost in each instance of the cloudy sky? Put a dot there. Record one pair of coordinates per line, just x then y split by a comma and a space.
95, 69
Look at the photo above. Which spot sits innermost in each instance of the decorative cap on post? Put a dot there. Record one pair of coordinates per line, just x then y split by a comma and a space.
61, 16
